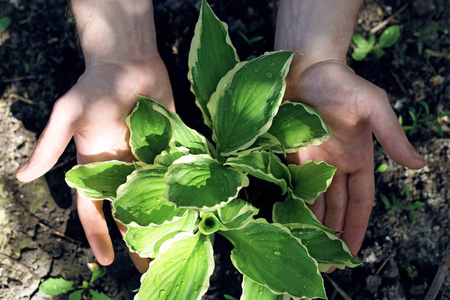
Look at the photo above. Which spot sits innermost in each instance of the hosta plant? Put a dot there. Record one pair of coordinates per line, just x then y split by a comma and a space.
183, 189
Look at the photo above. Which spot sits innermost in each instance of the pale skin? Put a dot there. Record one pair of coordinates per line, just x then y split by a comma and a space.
119, 44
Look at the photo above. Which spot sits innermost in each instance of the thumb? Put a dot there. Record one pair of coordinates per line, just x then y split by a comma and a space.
52, 142
391, 136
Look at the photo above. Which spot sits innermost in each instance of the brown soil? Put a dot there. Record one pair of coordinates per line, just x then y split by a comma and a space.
41, 236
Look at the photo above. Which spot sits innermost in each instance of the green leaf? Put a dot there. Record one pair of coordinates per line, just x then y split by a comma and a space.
360, 41
167, 157
296, 211
95, 295
311, 179
389, 36
99, 180
236, 214
77, 295
297, 125
211, 56
381, 168
327, 249
254, 291
56, 286
146, 241
200, 182
246, 99
140, 200
258, 165
151, 131
269, 255
264, 142
182, 135
4, 23
209, 224
378, 52
181, 270
360, 53
97, 272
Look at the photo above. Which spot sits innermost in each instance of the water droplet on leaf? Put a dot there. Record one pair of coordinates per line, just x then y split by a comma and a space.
269, 74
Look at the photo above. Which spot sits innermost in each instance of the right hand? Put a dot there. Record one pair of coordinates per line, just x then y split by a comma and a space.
93, 112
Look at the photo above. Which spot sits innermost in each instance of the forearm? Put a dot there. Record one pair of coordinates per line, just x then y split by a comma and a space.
321, 30
116, 31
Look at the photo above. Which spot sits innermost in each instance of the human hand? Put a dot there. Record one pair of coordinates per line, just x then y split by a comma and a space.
93, 112
354, 109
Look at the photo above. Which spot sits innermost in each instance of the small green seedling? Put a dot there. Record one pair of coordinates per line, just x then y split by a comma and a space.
363, 47
58, 286
381, 168
4, 23
250, 41
29, 66
420, 118
428, 34
395, 204
183, 190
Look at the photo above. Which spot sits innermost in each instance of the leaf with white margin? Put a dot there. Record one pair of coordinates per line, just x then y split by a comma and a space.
201, 182
150, 131
167, 157
327, 249
310, 179
182, 135
211, 56
297, 126
99, 180
258, 165
296, 211
269, 255
246, 100
181, 270
140, 200
146, 241
209, 223
236, 214
254, 291
264, 142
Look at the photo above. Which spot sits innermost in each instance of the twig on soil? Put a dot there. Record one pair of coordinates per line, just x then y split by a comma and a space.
15, 79
384, 264
23, 99
337, 288
59, 233
440, 275
433, 53
400, 84
388, 20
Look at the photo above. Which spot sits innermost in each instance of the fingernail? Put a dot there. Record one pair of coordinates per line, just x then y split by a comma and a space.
417, 155
22, 168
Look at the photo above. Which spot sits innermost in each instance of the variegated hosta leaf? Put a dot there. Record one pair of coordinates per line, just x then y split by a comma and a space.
167, 157
327, 249
151, 131
211, 56
311, 179
200, 182
146, 241
269, 255
182, 135
261, 165
140, 200
209, 223
236, 214
181, 270
263, 143
254, 291
298, 125
246, 100
296, 211
99, 180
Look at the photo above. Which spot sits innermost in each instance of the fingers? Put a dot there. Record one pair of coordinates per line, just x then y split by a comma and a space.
94, 224
391, 136
361, 196
140, 263
336, 199
51, 143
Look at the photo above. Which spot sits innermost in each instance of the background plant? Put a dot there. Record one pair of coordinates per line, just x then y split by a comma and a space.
184, 189
364, 46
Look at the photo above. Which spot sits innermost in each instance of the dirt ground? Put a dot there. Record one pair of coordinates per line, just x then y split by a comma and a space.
40, 233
